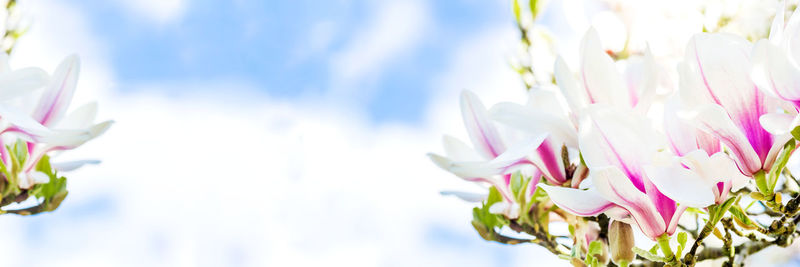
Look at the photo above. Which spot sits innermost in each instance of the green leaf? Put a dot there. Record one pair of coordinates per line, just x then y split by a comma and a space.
535, 8
761, 183
654, 249
595, 248
796, 133
494, 196
682, 238
740, 215
780, 163
516, 9
21, 151
516, 183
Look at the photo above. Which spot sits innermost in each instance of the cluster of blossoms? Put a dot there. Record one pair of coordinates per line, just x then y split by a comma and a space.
35, 124
616, 154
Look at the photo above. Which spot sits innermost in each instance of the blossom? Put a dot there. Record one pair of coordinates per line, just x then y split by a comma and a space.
543, 114
489, 160
600, 82
721, 99
776, 71
693, 147
48, 127
629, 183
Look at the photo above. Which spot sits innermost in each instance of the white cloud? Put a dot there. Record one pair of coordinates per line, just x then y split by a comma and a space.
157, 11
245, 180
393, 28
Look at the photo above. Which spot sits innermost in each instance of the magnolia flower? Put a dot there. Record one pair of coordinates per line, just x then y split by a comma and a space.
776, 71
48, 128
629, 183
543, 114
692, 146
600, 82
489, 161
720, 98
75, 128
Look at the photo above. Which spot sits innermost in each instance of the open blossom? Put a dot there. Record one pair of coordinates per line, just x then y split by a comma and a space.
489, 161
599, 81
48, 127
543, 114
776, 71
628, 182
693, 147
720, 98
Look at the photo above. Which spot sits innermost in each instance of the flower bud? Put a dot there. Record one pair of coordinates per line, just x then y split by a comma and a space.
620, 241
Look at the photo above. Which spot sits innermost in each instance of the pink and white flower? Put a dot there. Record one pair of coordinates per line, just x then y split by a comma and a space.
629, 181
489, 161
721, 99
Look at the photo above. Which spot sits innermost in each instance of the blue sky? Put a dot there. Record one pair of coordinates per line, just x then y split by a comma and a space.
244, 125
258, 43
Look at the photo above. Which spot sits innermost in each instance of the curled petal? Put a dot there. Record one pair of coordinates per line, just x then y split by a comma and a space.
616, 187
713, 120
684, 138
779, 123
682, 185
577, 201
774, 72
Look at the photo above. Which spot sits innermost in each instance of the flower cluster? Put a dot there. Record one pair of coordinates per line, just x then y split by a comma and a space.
621, 147
34, 125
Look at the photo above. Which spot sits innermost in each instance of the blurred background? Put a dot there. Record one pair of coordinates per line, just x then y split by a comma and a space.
273, 133
268, 133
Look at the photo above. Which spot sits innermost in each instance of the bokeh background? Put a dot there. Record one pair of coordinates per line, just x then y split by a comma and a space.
267, 133
272, 133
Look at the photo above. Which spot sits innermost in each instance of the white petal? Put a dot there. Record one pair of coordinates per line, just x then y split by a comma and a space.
27, 125
459, 151
58, 95
72, 165
615, 186
727, 168
645, 90
69, 139
615, 137
776, 29
681, 185
774, 73
81, 118
483, 134
466, 196
534, 121
39, 177
778, 123
576, 97
577, 201
714, 120
682, 136
599, 76
519, 150
19, 82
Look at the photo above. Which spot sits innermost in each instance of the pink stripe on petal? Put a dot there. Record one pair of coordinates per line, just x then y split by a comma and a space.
552, 164
483, 134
